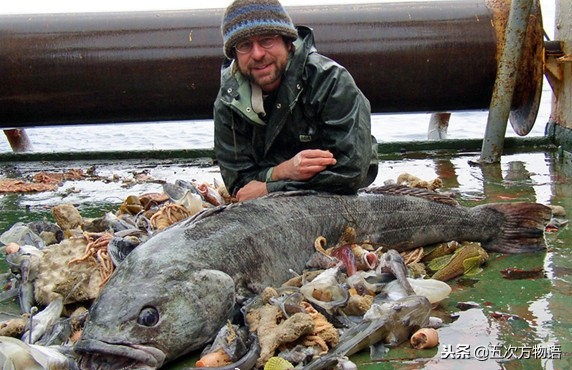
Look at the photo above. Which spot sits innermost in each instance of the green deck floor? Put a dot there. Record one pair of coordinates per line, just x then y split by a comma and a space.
535, 320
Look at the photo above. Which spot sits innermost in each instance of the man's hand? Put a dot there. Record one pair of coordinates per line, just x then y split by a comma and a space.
304, 165
253, 189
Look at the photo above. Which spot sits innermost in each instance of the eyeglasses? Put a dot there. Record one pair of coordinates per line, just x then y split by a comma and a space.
266, 42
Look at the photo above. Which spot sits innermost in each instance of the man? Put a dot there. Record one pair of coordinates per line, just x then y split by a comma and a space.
286, 117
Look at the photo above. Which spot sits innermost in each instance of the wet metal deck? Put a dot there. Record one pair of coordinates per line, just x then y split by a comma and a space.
527, 319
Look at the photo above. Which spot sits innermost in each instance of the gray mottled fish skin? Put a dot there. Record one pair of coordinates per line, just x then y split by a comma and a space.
173, 293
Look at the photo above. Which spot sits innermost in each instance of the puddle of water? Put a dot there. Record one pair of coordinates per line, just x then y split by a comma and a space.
517, 324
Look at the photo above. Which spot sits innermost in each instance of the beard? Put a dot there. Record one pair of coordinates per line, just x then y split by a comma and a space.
266, 73
267, 79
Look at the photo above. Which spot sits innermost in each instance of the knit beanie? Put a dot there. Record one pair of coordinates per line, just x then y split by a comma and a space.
246, 18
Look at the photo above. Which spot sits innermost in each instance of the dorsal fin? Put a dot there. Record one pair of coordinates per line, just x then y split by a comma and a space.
208, 212
407, 190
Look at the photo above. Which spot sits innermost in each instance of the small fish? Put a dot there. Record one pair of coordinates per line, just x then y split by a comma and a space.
346, 256
391, 261
43, 321
556, 224
26, 287
21, 234
391, 323
210, 194
110, 220
179, 189
16, 354
231, 340
290, 303
186, 194
25, 265
119, 247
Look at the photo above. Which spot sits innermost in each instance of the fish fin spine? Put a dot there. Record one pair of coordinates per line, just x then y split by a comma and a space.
407, 190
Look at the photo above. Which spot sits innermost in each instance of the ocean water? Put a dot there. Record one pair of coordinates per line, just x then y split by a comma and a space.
199, 134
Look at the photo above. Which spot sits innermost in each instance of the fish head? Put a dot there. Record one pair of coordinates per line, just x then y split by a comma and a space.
141, 321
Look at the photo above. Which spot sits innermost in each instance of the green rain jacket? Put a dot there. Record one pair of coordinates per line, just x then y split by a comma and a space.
317, 106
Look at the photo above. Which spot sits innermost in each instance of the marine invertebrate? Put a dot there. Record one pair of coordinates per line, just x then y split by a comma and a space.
97, 249
425, 338
324, 333
358, 305
278, 363
168, 215
466, 260
13, 327
272, 334
416, 182
59, 276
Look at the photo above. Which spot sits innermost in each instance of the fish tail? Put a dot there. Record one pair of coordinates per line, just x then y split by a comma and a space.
522, 229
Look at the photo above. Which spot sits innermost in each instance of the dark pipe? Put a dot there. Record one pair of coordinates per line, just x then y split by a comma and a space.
153, 66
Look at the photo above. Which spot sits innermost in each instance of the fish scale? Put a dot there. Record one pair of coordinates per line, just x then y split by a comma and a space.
178, 288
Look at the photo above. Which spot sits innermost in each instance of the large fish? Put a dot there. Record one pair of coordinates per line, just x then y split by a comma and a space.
173, 293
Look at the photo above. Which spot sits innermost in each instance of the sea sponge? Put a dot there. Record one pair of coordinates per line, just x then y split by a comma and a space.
271, 335
267, 294
416, 182
325, 335
13, 327
75, 282
358, 305
67, 216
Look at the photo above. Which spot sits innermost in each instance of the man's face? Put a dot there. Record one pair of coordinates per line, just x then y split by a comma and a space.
263, 59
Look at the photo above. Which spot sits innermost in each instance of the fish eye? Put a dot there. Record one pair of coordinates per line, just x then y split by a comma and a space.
148, 316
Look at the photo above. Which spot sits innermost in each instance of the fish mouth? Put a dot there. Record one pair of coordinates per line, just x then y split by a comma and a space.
96, 354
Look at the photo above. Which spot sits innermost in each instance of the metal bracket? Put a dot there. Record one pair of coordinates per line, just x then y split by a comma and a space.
505, 81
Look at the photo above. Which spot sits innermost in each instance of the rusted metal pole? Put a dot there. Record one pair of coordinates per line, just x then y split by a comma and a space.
561, 112
18, 140
505, 82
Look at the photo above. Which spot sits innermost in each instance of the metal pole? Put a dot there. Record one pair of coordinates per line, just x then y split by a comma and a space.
505, 81
18, 140
438, 125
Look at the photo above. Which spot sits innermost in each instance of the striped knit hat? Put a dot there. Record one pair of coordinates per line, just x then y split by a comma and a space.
247, 18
